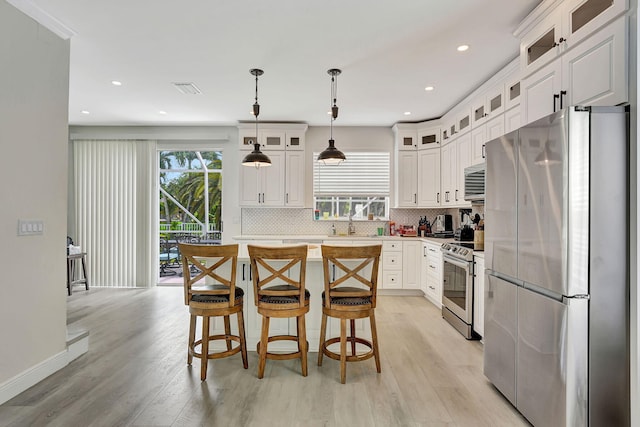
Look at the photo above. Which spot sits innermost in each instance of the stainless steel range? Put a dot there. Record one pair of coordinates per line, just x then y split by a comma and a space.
457, 287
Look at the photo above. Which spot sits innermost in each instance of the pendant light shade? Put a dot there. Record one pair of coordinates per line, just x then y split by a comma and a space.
548, 156
331, 155
256, 158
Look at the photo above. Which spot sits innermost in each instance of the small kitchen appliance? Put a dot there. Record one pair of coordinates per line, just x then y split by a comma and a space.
443, 224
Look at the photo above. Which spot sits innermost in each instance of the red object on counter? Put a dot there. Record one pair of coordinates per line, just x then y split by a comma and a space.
392, 228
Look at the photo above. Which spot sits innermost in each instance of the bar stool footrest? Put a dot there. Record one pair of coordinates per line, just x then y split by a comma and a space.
350, 358
282, 356
219, 354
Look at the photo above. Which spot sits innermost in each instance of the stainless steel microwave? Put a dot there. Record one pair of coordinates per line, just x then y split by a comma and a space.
474, 182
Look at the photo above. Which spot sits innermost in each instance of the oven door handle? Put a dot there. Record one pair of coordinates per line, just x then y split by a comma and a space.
455, 261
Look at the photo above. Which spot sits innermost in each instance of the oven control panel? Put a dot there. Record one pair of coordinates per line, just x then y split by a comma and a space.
457, 251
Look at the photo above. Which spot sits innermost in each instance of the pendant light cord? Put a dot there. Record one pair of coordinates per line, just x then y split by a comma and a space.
334, 107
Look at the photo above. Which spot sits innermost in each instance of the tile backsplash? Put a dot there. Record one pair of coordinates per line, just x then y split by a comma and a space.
281, 221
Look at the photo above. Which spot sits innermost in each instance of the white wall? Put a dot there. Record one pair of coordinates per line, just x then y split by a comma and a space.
34, 87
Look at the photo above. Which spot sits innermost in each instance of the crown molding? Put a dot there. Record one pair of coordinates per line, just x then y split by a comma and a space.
43, 18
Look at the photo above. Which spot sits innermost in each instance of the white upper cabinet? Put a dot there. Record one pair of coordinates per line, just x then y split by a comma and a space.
455, 156
282, 183
595, 71
541, 92
264, 186
582, 18
272, 136
478, 141
429, 178
463, 121
592, 73
294, 179
417, 171
449, 128
512, 119
406, 138
564, 27
406, 179
489, 105
294, 140
512, 93
541, 44
428, 137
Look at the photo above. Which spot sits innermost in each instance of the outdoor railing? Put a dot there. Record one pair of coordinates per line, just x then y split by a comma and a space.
189, 227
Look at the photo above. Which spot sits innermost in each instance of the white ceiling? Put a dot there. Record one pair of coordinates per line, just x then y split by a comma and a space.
389, 51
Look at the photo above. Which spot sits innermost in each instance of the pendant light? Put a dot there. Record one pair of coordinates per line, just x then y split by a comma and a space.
256, 158
331, 155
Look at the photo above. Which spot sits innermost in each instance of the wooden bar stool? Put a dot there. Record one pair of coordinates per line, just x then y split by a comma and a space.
345, 302
222, 298
280, 292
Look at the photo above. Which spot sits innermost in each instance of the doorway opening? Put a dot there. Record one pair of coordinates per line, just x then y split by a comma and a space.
190, 208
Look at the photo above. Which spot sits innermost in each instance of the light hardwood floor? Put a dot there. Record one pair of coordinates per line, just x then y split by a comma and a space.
135, 374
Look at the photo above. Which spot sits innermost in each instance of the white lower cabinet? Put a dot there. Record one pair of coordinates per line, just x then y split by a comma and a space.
392, 265
478, 295
411, 264
401, 264
433, 272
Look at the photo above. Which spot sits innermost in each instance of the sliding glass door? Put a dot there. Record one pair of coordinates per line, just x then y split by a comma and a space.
190, 208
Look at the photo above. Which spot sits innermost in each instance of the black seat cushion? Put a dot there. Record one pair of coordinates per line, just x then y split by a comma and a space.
283, 299
337, 300
218, 298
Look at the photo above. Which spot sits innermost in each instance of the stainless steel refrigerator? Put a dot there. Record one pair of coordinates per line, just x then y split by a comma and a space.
556, 340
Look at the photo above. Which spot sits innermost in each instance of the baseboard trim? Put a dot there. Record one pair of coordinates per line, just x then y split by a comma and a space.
32, 376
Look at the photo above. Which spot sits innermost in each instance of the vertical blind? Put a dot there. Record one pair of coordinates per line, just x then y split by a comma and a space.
363, 173
112, 216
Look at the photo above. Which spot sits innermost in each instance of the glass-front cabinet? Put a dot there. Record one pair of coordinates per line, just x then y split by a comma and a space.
567, 25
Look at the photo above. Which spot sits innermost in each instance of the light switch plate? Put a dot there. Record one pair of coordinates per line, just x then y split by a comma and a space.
30, 227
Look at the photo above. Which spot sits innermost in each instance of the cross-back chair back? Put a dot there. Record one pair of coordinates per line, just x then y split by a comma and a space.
341, 285
220, 268
354, 265
279, 291
209, 276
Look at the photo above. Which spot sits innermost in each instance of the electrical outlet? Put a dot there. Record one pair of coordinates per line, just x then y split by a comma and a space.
30, 227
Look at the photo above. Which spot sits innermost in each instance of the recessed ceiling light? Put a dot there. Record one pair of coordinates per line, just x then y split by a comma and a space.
85, 112
407, 113
463, 47
428, 88
116, 83
162, 112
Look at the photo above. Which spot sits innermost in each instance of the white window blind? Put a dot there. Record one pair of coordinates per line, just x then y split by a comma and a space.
361, 174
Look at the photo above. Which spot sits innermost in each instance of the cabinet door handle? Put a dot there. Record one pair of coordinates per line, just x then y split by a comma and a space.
438, 197
258, 197
484, 155
562, 94
456, 195
415, 197
555, 98
250, 275
286, 197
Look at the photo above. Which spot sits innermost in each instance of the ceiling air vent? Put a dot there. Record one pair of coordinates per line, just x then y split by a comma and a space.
187, 88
